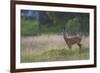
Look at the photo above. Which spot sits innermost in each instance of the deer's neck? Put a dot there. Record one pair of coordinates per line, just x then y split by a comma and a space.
65, 36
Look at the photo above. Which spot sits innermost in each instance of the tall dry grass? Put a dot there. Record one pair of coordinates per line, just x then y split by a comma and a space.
32, 48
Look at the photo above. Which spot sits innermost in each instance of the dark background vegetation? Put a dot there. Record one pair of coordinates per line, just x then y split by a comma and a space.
50, 22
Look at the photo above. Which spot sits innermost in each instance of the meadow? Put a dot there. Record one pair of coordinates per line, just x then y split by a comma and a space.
45, 48
42, 36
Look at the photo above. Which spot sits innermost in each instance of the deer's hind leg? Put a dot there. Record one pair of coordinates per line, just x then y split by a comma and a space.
80, 46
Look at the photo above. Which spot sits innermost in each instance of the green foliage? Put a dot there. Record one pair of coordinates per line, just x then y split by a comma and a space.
50, 30
29, 27
73, 25
54, 22
73, 22
84, 21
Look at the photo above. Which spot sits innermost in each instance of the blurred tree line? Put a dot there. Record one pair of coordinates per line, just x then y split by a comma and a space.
51, 22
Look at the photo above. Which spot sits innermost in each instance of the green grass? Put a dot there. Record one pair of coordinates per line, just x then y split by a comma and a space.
46, 48
55, 54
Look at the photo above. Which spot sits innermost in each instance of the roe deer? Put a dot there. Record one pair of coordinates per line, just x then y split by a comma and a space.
72, 40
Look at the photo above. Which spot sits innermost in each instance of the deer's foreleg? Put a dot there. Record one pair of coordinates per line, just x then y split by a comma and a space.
70, 46
80, 46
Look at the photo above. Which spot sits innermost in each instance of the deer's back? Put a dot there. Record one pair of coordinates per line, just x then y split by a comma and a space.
72, 40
